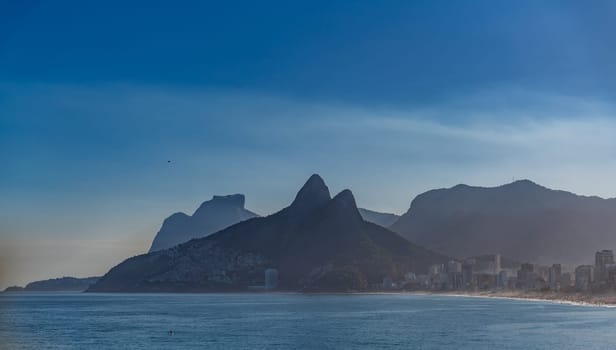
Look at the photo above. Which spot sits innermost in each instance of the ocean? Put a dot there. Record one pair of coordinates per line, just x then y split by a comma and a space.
297, 321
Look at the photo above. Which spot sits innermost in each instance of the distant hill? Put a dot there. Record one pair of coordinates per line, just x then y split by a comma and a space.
212, 216
381, 219
316, 244
63, 284
521, 220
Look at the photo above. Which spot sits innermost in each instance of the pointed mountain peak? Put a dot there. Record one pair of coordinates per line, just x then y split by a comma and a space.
344, 204
312, 195
315, 180
346, 198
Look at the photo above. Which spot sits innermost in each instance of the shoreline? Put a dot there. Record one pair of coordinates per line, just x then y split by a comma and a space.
606, 301
574, 299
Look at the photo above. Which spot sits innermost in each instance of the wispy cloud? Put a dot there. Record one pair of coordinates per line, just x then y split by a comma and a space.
118, 132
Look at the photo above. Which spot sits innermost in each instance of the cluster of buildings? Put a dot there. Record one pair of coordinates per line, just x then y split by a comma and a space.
478, 273
600, 276
486, 273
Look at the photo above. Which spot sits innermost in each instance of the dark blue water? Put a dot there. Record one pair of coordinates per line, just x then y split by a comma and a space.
291, 321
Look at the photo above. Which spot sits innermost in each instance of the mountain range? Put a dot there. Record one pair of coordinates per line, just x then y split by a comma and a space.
317, 243
521, 220
327, 244
221, 212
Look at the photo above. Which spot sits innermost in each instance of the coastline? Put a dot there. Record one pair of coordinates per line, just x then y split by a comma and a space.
574, 299
577, 299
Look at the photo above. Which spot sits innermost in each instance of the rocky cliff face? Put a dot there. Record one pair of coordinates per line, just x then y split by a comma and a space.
212, 216
521, 220
317, 243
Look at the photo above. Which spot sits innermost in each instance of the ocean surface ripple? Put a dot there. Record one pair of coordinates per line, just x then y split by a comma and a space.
296, 321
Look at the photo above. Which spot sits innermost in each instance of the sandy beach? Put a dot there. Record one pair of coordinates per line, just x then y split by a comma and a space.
580, 299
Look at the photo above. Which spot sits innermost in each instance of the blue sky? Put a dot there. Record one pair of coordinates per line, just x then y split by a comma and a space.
396, 52
387, 98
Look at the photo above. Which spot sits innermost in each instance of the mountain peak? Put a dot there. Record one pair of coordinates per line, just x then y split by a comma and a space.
524, 187
230, 201
312, 195
315, 180
211, 216
515, 185
346, 197
236, 200
515, 219
344, 204
525, 183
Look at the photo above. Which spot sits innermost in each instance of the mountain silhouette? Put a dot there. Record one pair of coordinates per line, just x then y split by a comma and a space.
63, 284
381, 219
212, 216
318, 243
521, 220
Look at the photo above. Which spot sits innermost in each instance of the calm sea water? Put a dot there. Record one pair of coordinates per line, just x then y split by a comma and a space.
291, 321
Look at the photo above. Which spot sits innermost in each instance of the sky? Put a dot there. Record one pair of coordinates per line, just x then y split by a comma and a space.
388, 98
